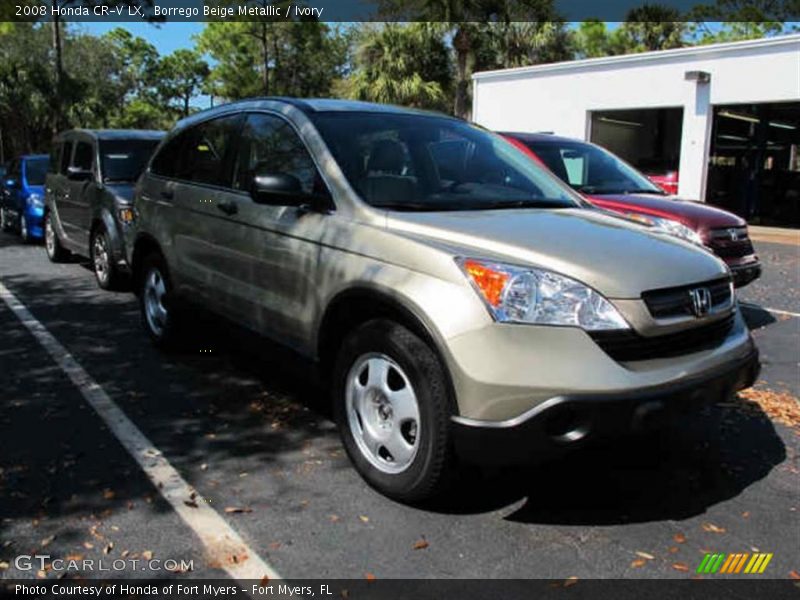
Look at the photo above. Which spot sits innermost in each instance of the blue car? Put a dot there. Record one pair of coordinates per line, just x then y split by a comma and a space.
22, 196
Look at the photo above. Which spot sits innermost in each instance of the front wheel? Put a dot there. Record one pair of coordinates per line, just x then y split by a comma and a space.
24, 230
5, 220
391, 405
105, 271
52, 244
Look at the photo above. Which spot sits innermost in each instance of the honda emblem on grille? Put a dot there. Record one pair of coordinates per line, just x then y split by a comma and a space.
734, 234
701, 301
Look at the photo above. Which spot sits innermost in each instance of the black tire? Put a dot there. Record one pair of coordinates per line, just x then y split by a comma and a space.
164, 332
106, 272
24, 231
52, 245
5, 220
430, 470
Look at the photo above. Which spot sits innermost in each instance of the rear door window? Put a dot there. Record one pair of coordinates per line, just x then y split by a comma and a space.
206, 152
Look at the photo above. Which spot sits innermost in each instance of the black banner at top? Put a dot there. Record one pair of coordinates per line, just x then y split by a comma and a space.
399, 10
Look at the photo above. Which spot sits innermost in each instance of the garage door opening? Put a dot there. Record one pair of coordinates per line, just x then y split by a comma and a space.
754, 166
649, 139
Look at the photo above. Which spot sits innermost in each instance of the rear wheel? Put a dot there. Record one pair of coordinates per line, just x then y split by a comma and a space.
52, 244
159, 315
105, 271
391, 405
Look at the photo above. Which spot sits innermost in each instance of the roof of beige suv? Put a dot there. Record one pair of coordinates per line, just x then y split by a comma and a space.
308, 106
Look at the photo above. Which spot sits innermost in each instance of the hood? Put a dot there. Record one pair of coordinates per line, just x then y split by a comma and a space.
617, 258
122, 191
695, 215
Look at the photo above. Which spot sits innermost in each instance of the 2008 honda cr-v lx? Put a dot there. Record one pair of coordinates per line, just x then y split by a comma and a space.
464, 302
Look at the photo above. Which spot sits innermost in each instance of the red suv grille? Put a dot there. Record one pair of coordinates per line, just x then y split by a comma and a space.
731, 242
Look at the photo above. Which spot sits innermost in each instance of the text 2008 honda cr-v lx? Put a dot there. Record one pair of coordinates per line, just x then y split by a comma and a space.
463, 302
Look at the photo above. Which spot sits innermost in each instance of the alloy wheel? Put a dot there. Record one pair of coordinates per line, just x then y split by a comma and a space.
101, 258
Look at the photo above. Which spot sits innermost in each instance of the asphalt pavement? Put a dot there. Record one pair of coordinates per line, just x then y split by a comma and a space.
244, 426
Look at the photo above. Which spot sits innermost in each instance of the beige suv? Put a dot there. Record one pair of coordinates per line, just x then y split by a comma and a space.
461, 301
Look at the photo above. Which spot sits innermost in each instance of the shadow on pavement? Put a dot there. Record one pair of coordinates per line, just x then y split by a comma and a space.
230, 399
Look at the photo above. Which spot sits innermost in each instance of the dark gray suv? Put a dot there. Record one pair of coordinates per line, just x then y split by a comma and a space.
88, 195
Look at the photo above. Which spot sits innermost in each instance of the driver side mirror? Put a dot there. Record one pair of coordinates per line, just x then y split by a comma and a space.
284, 189
78, 174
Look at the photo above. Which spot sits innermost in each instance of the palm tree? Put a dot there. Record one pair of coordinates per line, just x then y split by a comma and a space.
401, 64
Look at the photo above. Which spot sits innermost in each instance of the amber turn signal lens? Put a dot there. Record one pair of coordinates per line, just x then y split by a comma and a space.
126, 215
490, 282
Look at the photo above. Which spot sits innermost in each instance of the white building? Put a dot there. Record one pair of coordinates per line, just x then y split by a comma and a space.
721, 115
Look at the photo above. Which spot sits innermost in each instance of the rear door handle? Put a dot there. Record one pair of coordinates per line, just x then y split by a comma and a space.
228, 207
167, 194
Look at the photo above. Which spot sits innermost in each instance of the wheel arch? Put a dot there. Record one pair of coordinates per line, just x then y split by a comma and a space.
355, 306
144, 245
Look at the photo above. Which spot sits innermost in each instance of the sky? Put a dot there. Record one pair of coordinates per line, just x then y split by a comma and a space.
166, 39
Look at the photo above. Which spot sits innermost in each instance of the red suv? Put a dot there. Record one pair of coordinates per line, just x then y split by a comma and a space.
611, 183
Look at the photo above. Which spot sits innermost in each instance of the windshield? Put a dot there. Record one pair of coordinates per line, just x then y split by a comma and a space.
590, 169
429, 163
36, 170
124, 160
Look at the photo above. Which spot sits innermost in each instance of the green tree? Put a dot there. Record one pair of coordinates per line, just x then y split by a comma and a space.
732, 20
304, 58
466, 20
652, 27
401, 64
180, 78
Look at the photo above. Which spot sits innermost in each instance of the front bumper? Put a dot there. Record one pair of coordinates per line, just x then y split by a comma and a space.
567, 421
745, 273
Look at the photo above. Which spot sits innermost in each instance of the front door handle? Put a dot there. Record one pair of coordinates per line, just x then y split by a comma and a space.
228, 207
167, 194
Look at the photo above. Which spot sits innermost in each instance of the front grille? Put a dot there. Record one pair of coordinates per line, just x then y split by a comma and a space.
733, 249
730, 242
677, 301
628, 346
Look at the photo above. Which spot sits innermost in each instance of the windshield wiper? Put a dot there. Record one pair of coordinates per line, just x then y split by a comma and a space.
527, 203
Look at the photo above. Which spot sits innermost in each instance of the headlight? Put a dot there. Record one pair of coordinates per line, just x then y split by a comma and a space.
36, 201
669, 226
527, 295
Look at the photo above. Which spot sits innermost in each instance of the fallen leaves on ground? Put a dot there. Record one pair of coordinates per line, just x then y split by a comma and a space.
645, 555
782, 407
369, 576
47, 540
792, 574
109, 547
147, 554
679, 538
711, 528
680, 566
570, 581
639, 562
108, 494
364, 519
237, 509
4, 565
421, 544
